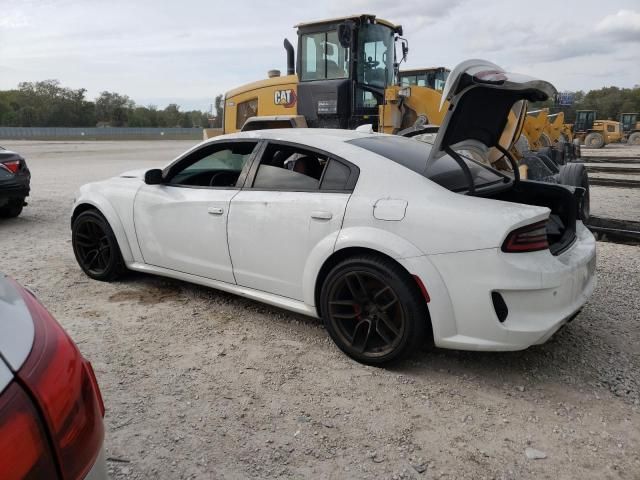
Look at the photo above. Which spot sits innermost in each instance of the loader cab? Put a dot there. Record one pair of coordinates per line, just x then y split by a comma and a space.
344, 66
584, 120
629, 121
433, 78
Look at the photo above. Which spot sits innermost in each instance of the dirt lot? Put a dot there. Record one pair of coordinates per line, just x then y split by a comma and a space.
201, 384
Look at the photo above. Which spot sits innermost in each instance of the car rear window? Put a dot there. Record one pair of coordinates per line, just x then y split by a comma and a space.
413, 154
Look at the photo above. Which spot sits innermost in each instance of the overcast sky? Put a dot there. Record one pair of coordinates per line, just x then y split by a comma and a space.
187, 51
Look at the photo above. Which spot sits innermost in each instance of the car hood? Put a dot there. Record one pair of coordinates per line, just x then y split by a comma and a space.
16, 324
486, 105
139, 173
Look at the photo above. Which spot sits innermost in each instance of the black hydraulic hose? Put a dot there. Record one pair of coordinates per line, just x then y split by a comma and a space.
465, 168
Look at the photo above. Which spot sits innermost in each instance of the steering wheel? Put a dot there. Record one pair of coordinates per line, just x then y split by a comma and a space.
370, 63
216, 176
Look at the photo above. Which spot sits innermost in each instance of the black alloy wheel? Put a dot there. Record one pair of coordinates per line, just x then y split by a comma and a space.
95, 247
373, 309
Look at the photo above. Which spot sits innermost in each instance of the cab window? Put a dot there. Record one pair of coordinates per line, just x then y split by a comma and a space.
323, 58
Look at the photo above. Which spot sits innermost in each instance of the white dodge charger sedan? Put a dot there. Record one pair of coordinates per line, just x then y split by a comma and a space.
394, 243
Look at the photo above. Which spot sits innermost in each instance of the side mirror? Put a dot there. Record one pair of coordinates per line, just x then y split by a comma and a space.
405, 50
153, 177
344, 34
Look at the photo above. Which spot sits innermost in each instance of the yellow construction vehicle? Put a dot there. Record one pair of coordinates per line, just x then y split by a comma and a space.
534, 127
630, 128
595, 133
346, 76
432, 77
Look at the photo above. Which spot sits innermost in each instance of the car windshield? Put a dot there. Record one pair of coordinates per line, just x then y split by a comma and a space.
413, 154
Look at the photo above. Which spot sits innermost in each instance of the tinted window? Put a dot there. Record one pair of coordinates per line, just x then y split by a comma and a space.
413, 154
285, 167
336, 176
212, 166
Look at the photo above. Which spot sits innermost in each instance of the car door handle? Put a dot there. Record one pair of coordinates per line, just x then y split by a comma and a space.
320, 215
215, 210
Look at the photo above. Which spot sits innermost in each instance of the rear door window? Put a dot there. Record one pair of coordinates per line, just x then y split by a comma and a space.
292, 168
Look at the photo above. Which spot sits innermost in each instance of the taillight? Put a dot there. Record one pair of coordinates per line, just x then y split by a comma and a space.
530, 238
63, 384
13, 165
24, 449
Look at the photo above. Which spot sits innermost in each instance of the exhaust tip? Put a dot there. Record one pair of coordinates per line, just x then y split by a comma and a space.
273, 73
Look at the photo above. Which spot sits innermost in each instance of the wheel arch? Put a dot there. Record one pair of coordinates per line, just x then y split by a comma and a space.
104, 208
351, 251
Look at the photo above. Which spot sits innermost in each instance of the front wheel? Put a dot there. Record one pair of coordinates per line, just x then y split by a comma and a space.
634, 138
95, 247
594, 140
373, 310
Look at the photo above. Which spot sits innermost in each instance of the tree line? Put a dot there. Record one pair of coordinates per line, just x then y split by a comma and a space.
609, 102
49, 104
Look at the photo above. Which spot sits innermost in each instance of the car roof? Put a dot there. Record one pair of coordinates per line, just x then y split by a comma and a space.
322, 138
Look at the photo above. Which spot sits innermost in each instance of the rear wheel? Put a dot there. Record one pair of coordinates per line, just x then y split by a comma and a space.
95, 247
373, 310
594, 140
12, 209
634, 138
575, 175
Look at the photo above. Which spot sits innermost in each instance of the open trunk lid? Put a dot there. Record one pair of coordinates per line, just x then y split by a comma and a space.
487, 105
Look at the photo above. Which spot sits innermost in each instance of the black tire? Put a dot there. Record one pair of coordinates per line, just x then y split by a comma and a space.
594, 140
12, 209
575, 175
634, 138
96, 247
380, 304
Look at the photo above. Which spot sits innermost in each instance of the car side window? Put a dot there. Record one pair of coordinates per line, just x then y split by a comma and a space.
285, 167
336, 176
212, 166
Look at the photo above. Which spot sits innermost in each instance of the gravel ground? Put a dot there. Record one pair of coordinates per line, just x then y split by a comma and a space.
621, 150
614, 202
202, 384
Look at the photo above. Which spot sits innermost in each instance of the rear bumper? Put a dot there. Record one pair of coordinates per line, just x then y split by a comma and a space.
541, 292
17, 187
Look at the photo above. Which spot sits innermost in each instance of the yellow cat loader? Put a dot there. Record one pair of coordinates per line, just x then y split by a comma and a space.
346, 74
595, 133
630, 128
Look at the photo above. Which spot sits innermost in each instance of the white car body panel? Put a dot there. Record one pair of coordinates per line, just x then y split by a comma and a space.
5, 376
166, 218
16, 326
279, 241
271, 235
